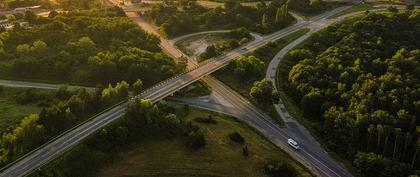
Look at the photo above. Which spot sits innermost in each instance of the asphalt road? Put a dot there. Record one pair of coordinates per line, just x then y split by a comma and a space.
319, 160
311, 154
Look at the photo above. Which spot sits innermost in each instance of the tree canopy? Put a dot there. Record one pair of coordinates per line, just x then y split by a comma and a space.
182, 18
361, 81
85, 46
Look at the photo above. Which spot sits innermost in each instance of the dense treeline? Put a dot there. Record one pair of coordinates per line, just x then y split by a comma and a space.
85, 46
142, 120
47, 4
58, 117
187, 16
360, 81
311, 6
11, 4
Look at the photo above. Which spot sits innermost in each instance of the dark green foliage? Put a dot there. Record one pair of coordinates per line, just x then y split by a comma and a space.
137, 87
240, 33
360, 81
393, 9
236, 137
81, 158
263, 92
186, 109
279, 169
34, 130
206, 120
309, 6
372, 165
211, 51
196, 140
248, 66
174, 19
245, 151
63, 92
85, 46
11, 4
30, 96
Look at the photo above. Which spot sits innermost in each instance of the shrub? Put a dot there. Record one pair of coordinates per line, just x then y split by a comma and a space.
26, 97
206, 120
236, 137
245, 151
196, 140
211, 51
279, 168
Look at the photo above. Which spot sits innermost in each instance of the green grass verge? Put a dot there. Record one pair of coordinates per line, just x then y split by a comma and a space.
266, 54
193, 46
220, 157
11, 112
170, 157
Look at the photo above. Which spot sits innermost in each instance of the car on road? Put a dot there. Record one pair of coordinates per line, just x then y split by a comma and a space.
293, 143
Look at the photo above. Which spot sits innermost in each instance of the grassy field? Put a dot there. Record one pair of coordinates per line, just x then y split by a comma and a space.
191, 46
220, 157
196, 45
169, 157
12, 112
266, 54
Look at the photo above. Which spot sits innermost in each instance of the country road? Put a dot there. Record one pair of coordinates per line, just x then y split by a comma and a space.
311, 154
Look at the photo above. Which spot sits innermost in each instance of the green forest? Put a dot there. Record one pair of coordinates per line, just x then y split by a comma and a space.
95, 46
173, 18
69, 109
359, 81
49, 4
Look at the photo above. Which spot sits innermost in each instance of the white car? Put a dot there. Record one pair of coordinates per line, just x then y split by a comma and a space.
293, 143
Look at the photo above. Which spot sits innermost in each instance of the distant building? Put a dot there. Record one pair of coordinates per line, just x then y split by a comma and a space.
6, 24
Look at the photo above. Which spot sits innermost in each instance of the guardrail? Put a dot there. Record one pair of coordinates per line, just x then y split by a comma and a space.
62, 134
252, 47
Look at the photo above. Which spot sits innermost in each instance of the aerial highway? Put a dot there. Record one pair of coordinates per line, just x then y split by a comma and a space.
314, 157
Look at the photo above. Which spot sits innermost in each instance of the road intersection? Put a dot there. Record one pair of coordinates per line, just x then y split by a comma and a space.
311, 155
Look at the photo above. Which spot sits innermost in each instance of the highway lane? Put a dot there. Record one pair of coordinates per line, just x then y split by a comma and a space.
48, 152
310, 155
174, 84
57, 146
